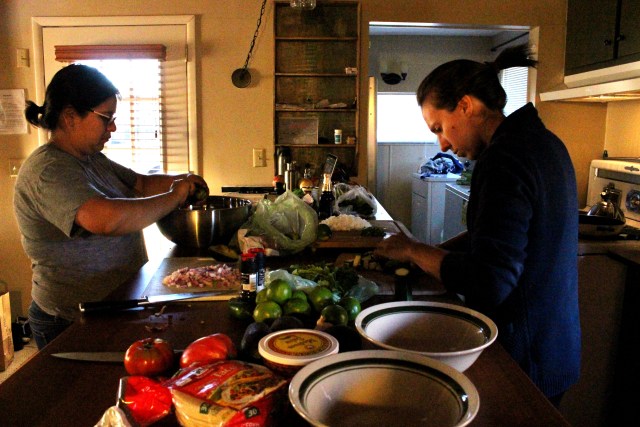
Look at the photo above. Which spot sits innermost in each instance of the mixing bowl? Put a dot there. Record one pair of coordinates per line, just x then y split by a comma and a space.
202, 226
451, 333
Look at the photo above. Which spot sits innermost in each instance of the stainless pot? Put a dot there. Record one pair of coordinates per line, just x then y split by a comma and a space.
605, 218
202, 226
599, 226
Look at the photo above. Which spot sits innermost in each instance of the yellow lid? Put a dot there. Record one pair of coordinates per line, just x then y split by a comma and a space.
297, 347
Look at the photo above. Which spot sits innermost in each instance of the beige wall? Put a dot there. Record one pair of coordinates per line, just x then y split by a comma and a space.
233, 121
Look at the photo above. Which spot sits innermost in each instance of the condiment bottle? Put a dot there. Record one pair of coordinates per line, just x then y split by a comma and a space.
260, 267
337, 136
248, 276
327, 199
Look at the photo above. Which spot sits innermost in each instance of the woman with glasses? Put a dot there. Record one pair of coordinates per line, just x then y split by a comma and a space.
517, 263
80, 214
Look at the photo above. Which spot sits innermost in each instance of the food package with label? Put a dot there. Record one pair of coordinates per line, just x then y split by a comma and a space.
6, 339
227, 393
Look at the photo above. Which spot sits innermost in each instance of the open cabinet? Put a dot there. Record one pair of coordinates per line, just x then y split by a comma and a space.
316, 83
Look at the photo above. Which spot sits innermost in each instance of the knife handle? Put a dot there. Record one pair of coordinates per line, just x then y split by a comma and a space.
87, 307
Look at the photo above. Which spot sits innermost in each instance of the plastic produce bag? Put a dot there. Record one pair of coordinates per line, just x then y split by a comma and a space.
354, 200
287, 224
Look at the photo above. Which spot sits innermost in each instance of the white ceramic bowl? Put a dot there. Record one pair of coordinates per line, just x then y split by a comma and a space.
383, 388
451, 333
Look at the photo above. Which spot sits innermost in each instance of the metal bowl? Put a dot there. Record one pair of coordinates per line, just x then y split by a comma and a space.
202, 226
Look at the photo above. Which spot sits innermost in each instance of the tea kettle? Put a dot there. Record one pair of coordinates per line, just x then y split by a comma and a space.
609, 206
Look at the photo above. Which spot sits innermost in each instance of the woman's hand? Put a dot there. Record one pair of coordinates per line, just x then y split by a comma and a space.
402, 248
396, 247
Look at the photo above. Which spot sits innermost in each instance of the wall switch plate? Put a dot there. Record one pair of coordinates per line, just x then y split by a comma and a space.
14, 167
22, 58
259, 158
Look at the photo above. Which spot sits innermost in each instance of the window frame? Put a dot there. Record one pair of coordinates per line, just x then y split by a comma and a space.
188, 21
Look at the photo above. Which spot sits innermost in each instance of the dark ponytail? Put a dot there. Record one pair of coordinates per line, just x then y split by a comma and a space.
449, 82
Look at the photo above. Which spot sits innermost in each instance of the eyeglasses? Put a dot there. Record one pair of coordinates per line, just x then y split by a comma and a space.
108, 120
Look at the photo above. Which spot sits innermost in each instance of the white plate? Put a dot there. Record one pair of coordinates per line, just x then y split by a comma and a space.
451, 333
383, 388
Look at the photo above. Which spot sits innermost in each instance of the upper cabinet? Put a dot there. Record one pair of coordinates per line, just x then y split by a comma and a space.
316, 83
601, 34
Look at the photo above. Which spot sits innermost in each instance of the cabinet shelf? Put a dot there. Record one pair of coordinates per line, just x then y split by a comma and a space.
317, 39
315, 75
322, 146
315, 53
316, 110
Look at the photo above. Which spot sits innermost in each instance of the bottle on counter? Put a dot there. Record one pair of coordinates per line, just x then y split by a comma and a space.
259, 267
248, 277
291, 176
327, 199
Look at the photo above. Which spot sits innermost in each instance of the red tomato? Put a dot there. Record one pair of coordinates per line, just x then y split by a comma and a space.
148, 357
208, 349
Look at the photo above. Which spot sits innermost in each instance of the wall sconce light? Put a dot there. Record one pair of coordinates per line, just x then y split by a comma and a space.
393, 73
303, 4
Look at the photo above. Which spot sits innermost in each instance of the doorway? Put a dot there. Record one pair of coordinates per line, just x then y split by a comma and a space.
414, 49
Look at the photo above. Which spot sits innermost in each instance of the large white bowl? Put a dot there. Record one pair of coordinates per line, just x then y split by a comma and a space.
383, 388
451, 333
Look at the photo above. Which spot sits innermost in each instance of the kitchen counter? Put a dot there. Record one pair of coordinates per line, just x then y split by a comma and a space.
48, 391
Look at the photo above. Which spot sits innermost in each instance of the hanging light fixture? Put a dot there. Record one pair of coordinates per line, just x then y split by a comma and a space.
303, 4
242, 77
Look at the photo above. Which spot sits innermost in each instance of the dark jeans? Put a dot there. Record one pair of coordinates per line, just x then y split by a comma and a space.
45, 327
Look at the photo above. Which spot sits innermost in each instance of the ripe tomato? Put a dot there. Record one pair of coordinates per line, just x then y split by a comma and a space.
148, 357
208, 349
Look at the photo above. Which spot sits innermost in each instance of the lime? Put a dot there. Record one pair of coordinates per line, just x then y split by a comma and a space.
261, 296
296, 306
299, 295
266, 310
352, 305
279, 291
323, 232
334, 314
320, 297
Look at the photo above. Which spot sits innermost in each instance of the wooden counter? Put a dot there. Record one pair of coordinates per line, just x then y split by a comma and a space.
48, 391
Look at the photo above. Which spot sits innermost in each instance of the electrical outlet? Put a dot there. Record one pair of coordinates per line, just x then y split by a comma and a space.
259, 158
14, 167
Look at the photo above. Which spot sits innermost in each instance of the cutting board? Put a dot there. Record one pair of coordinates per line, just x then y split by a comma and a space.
353, 240
169, 265
423, 284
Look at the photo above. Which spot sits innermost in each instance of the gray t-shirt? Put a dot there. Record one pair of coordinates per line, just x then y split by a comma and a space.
71, 265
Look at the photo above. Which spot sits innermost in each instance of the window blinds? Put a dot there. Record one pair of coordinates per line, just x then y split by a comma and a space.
152, 119
514, 81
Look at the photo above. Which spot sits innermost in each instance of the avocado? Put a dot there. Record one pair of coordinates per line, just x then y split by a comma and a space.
250, 340
286, 322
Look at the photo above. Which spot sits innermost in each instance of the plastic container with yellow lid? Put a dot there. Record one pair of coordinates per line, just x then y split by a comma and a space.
288, 351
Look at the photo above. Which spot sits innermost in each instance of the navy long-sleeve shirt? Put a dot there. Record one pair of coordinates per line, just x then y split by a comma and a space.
520, 266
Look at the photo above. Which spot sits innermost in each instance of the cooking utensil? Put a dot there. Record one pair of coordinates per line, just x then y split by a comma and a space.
87, 307
96, 356
605, 218
599, 226
201, 226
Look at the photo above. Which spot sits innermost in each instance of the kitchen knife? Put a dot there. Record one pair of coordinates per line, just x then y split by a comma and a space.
87, 307
97, 356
